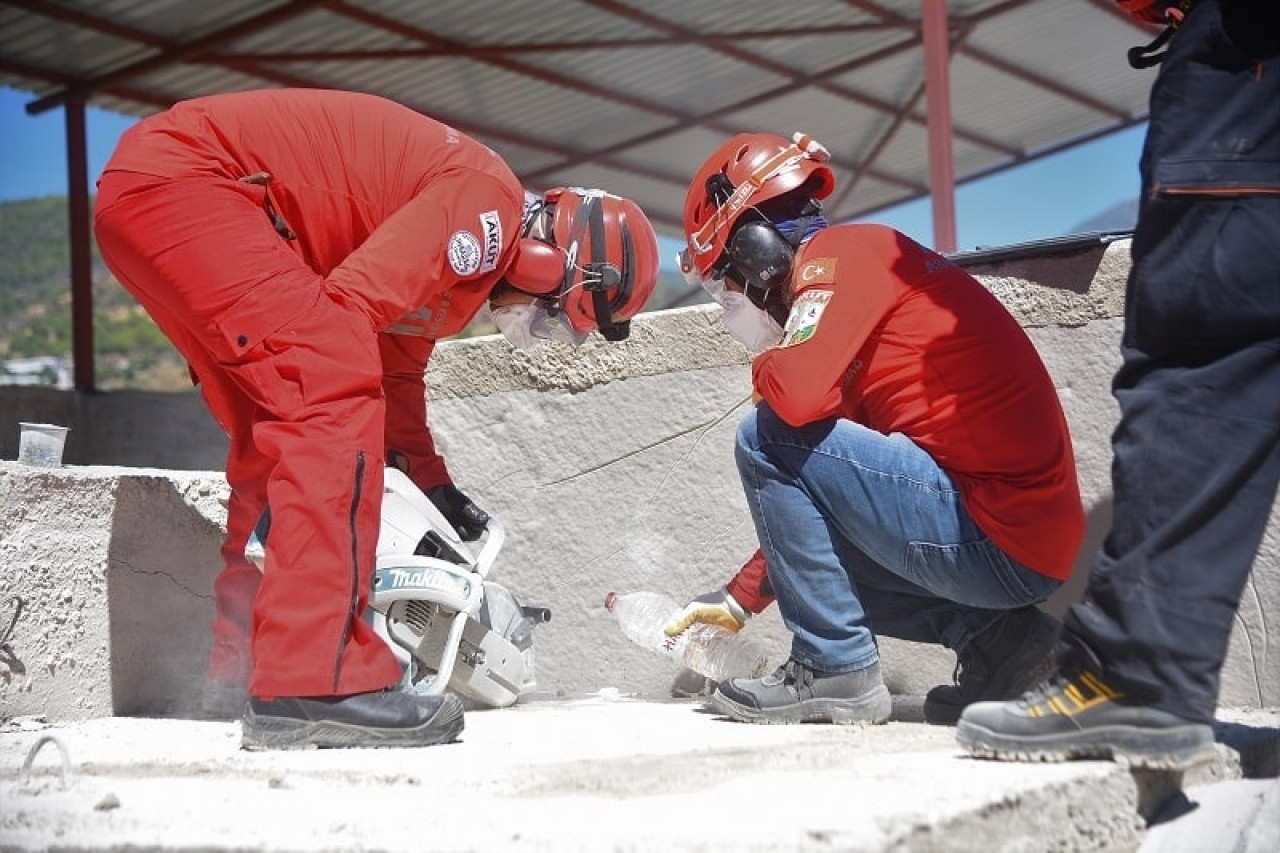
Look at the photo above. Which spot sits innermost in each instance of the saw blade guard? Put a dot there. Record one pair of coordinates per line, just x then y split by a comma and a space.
432, 604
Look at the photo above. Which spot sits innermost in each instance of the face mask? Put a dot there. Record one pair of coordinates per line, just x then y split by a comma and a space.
526, 325
748, 325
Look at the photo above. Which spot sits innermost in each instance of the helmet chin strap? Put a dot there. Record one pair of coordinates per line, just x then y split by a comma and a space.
599, 276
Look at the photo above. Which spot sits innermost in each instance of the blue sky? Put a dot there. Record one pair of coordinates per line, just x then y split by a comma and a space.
1044, 199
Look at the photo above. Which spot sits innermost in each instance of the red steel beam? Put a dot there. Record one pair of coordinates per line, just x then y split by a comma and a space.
518, 48
81, 266
174, 53
942, 178
46, 75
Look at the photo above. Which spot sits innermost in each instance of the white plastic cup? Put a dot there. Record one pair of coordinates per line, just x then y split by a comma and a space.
41, 445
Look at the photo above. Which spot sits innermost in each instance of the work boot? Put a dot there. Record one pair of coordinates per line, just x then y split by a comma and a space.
1082, 716
1002, 662
796, 694
378, 719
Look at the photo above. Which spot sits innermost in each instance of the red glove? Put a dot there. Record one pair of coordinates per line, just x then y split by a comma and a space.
1158, 12
1144, 11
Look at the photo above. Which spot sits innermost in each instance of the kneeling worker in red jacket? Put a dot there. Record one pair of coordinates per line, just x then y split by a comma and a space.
908, 465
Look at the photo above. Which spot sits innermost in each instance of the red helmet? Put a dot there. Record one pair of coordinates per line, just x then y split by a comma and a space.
595, 256
749, 169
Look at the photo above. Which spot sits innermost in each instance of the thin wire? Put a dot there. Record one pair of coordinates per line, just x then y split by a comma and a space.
704, 427
572, 575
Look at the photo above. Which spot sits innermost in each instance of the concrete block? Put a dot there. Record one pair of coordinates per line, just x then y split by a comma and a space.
114, 567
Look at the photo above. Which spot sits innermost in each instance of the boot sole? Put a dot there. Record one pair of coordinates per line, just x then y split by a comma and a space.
260, 732
1174, 748
873, 708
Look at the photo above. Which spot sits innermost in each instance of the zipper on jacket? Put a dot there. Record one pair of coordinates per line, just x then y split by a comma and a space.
353, 612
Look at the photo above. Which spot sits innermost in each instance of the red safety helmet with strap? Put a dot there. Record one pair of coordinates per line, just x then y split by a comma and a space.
748, 170
597, 261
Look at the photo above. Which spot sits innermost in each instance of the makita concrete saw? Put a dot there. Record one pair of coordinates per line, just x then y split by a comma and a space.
451, 627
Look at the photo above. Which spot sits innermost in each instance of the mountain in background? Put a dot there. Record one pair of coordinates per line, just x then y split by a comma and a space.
35, 304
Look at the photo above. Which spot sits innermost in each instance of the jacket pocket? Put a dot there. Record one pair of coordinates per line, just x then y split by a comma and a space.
257, 315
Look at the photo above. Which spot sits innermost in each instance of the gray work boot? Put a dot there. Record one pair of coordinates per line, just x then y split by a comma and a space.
1081, 715
1002, 662
796, 694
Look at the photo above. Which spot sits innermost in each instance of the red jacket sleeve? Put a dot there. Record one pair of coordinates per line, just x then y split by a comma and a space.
460, 227
750, 586
410, 446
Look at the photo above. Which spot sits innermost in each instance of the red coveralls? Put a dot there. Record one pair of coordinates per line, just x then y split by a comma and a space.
304, 250
911, 344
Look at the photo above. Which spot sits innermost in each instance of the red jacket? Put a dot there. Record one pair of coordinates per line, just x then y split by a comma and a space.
891, 335
345, 172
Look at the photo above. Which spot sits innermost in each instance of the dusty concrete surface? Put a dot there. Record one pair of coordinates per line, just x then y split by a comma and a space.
610, 773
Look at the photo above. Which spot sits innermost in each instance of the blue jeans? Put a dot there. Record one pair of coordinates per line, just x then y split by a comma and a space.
863, 534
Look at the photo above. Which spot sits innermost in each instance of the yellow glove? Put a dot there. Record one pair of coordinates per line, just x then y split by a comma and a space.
713, 608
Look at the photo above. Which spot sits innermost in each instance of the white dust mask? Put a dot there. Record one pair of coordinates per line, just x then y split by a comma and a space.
749, 325
527, 324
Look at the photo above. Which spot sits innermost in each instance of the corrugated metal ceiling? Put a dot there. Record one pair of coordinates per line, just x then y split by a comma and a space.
629, 95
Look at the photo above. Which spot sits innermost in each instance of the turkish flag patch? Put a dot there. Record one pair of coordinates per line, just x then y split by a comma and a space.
816, 271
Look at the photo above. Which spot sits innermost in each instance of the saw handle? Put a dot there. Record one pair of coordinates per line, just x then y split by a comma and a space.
537, 614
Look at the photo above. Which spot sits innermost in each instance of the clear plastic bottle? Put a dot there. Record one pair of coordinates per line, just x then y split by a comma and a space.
710, 650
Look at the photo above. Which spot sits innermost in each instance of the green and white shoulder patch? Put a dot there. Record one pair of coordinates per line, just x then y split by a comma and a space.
806, 313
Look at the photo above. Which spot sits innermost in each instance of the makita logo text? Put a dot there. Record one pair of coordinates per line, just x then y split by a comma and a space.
422, 578
491, 227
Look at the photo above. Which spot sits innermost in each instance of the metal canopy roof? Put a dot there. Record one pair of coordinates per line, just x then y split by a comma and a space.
628, 95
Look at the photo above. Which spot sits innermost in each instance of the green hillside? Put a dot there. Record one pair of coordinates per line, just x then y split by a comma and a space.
35, 304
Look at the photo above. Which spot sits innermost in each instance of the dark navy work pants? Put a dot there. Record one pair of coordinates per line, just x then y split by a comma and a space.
1197, 450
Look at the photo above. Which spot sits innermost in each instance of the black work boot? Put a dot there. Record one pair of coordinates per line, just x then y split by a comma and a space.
1009, 657
381, 718
796, 694
1078, 714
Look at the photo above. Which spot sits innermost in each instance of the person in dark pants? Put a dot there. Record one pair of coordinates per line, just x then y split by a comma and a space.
1197, 450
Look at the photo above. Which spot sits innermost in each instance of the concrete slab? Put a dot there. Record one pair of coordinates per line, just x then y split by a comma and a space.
1205, 817
602, 772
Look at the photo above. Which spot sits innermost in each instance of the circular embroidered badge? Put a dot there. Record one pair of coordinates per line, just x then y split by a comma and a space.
464, 252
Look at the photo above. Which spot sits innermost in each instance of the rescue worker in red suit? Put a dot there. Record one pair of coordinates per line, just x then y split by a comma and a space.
304, 250
1196, 453
907, 465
